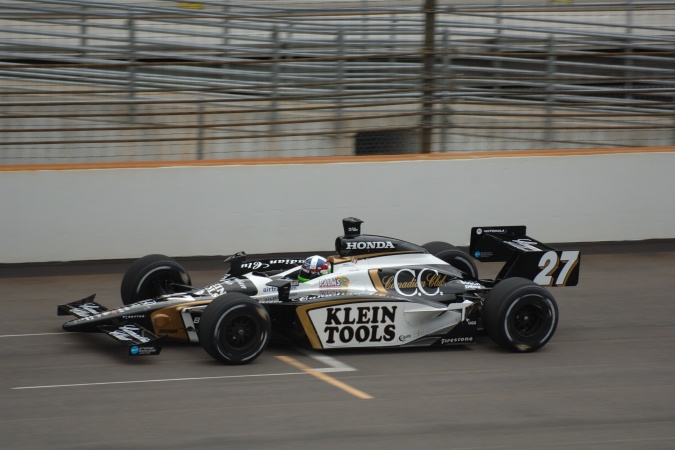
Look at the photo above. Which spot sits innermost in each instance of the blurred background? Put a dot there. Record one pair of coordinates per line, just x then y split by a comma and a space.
115, 80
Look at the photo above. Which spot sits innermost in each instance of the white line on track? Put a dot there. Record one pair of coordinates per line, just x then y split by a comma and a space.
333, 366
34, 334
160, 380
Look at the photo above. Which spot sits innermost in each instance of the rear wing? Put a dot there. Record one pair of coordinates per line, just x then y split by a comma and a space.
525, 257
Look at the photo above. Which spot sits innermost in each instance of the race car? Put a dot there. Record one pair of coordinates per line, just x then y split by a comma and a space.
375, 291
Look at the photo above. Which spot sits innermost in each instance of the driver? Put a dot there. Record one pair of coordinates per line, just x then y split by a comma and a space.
314, 267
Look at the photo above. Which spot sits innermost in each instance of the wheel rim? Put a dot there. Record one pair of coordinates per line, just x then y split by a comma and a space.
240, 333
528, 320
158, 284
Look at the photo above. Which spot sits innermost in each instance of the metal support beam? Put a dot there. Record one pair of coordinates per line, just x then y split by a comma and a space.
428, 75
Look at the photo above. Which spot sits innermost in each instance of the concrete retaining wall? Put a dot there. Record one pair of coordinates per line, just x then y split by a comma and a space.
189, 210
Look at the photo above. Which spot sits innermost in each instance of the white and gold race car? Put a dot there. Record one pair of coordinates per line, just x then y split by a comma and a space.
375, 291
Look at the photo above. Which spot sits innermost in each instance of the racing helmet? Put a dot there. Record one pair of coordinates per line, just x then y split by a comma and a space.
314, 267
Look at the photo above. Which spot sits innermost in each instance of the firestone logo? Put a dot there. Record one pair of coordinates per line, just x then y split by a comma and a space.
369, 245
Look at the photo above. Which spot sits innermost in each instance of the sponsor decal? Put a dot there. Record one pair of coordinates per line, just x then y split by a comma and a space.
136, 350
215, 290
491, 230
471, 285
87, 309
147, 350
409, 283
233, 281
456, 340
331, 292
268, 289
349, 267
94, 317
146, 302
342, 282
290, 262
324, 294
526, 245
369, 245
407, 337
255, 265
362, 324
168, 331
129, 333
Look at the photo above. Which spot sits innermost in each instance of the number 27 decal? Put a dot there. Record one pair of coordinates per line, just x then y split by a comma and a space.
549, 263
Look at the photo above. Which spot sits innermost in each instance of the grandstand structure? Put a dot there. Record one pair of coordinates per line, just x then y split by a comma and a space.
93, 81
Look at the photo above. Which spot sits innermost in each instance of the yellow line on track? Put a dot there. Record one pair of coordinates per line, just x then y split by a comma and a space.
326, 378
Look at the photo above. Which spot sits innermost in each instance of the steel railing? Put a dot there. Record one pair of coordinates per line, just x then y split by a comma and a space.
94, 81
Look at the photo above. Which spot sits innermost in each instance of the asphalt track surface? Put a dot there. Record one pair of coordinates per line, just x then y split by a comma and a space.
605, 381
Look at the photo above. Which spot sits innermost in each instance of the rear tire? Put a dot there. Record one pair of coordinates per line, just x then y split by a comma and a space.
151, 276
520, 315
453, 256
234, 328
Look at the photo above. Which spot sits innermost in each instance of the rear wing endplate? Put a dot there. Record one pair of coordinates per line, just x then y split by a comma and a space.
525, 257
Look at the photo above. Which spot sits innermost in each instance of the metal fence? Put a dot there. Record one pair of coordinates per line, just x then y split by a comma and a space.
86, 81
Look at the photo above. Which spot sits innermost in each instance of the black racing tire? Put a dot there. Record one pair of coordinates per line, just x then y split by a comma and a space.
520, 315
234, 328
453, 256
151, 276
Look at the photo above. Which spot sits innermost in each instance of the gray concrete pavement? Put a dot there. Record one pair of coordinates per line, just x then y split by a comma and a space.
605, 381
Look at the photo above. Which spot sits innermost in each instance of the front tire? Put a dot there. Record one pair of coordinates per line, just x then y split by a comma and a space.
520, 315
453, 256
152, 276
234, 329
